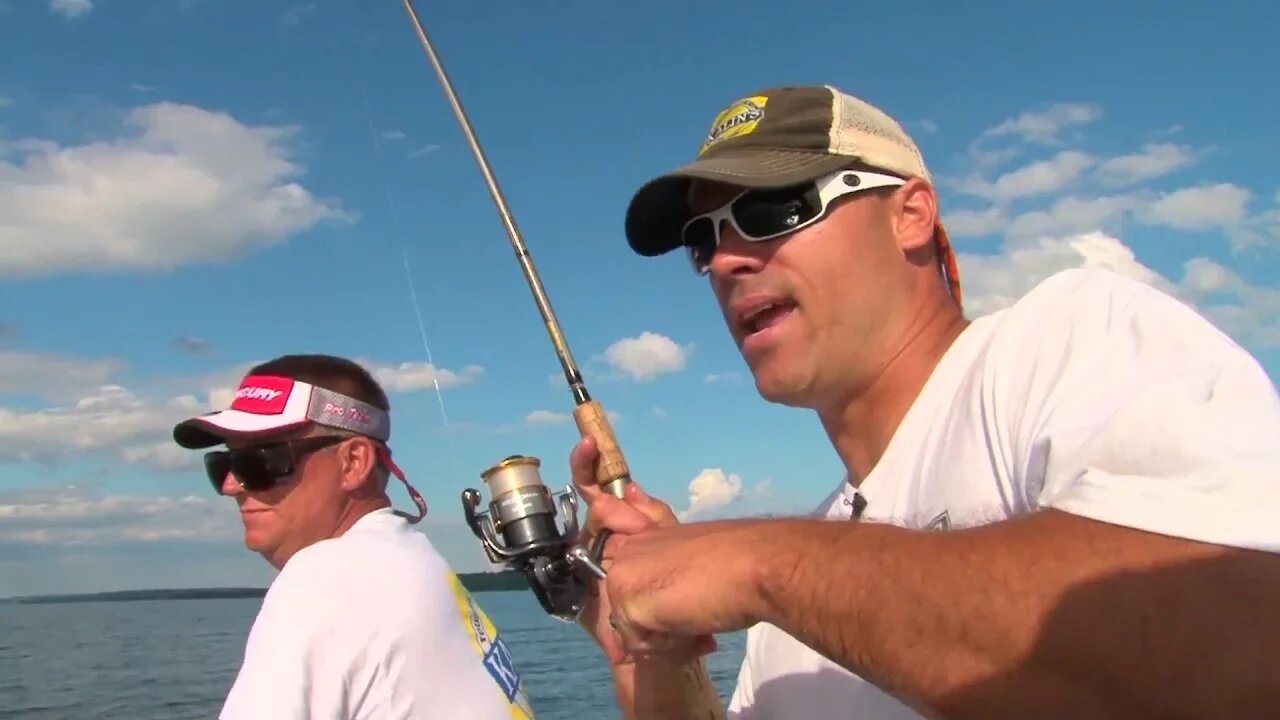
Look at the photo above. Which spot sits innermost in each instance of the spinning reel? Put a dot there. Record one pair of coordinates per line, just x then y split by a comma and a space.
523, 513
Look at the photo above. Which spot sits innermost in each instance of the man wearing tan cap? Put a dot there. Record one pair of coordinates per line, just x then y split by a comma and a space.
1063, 509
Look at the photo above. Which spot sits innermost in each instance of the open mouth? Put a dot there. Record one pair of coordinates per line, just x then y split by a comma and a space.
766, 315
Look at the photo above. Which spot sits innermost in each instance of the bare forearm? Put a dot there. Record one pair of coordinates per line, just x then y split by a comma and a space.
660, 689
1048, 616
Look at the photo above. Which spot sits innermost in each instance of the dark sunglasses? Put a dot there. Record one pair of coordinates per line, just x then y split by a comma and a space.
262, 467
761, 215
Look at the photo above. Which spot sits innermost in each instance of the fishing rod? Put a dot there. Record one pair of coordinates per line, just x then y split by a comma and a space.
612, 472
558, 568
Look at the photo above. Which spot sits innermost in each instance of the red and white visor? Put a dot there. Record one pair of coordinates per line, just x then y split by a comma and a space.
268, 405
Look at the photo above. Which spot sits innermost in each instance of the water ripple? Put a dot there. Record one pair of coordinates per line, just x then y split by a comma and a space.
175, 660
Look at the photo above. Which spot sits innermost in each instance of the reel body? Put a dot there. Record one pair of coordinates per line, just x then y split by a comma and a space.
519, 531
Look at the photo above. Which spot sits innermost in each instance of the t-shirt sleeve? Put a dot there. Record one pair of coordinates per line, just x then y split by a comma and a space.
1156, 420
293, 668
742, 701
365, 642
445, 658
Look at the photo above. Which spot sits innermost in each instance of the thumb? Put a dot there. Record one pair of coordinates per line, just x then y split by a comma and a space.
582, 461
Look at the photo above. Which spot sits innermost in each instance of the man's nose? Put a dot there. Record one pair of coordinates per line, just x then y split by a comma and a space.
736, 256
231, 486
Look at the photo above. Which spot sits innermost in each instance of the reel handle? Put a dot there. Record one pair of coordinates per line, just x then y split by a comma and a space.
612, 472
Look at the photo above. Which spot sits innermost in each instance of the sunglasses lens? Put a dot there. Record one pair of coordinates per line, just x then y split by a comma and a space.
700, 238
216, 465
255, 469
762, 214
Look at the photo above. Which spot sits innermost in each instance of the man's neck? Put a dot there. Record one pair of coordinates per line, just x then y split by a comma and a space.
861, 426
356, 510
350, 515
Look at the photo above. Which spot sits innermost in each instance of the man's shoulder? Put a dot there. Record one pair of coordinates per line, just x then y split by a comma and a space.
1079, 314
383, 562
1088, 293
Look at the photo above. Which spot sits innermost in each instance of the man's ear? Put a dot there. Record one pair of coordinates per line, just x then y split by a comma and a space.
915, 215
358, 460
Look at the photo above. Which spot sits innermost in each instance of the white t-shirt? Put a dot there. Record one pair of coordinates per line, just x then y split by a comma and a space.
374, 625
1094, 395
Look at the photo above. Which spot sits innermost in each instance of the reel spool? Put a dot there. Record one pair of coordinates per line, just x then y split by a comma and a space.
519, 531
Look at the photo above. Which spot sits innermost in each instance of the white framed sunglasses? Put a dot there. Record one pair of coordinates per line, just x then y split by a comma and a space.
763, 215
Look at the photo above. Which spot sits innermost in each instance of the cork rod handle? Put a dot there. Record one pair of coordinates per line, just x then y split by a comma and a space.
699, 698
610, 465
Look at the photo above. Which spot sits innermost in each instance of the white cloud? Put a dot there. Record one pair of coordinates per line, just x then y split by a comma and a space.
992, 282
411, 376
93, 414
74, 515
1249, 313
542, 418
710, 490
1155, 160
975, 223
51, 377
295, 14
110, 420
1072, 214
722, 378
6, 101
182, 185
393, 135
1075, 192
1205, 207
1046, 125
713, 490
647, 356
71, 8
1199, 208
164, 455
1038, 178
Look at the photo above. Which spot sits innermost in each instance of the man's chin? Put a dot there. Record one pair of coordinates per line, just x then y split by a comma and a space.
781, 389
258, 542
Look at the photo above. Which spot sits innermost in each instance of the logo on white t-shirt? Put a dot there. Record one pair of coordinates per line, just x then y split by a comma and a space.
941, 522
492, 650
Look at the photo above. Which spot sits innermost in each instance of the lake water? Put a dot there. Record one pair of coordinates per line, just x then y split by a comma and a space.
175, 659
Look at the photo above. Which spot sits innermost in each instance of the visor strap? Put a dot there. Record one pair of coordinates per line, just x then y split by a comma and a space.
384, 455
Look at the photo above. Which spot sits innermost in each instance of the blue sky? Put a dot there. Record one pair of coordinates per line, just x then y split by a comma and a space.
188, 187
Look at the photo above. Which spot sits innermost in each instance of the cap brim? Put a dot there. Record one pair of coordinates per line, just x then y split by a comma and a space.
216, 428
661, 206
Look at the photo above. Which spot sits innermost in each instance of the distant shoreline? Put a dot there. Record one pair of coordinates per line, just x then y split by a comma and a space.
475, 582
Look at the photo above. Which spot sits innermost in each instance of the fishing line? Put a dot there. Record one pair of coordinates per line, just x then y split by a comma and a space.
408, 272
404, 254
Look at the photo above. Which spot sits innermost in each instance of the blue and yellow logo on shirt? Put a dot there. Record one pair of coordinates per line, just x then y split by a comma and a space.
492, 650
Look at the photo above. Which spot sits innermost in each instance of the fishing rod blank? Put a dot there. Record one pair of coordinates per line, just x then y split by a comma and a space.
612, 472
521, 502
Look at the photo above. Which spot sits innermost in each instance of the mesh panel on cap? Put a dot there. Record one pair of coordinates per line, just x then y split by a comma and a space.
862, 130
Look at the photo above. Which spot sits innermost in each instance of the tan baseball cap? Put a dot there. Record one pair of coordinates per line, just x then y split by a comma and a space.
774, 138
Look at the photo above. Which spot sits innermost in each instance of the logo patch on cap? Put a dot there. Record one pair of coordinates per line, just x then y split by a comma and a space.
263, 395
740, 118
